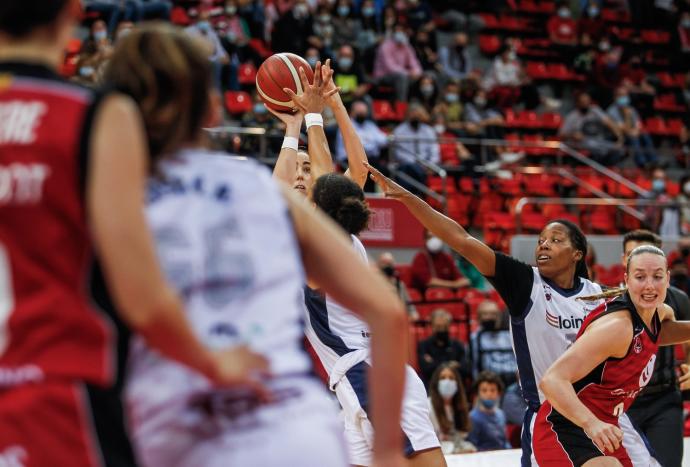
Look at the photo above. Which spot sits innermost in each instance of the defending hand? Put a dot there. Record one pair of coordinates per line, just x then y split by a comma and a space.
389, 187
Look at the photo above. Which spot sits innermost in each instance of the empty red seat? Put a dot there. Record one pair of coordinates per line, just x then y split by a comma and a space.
382, 110
237, 102
246, 73
532, 222
655, 37
405, 274
489, 44
536, 70
551, 120
655, 126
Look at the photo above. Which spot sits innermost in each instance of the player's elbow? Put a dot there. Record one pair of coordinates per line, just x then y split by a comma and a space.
548, 383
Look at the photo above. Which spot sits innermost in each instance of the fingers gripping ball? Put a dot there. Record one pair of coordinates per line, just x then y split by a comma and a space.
281, 71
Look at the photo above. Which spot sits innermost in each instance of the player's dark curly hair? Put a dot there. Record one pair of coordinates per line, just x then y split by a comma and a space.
19, 18
579, 241
343, 200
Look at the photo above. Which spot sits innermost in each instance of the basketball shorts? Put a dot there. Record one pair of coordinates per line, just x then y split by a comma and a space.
352, 393
62, 423
299, 427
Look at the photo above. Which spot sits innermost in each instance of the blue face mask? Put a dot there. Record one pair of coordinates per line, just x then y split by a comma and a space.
259, 109
100, 35
487, 403
623, 101
368, 11
343, 10
312, 61
204, 26
86, 71
658, 185
345, 62
452, 98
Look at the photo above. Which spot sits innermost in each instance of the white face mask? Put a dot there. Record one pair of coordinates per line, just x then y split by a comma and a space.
434, 244
439, 128
447, 388
686, 188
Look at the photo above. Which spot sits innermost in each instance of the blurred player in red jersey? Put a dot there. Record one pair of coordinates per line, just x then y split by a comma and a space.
73, 165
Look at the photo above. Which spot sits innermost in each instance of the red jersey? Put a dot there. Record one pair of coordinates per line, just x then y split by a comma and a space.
611, 388
47, 327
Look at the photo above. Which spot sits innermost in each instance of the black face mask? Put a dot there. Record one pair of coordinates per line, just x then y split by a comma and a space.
685, 251
442, 336
360, 118
414, 123
488, 324
388, 270
583, 110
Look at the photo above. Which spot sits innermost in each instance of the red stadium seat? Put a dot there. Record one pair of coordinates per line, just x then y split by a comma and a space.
551, 120
405, 274
237, 102
415, 295
438, 293
536, 70
246, 73
383, 111
489, 45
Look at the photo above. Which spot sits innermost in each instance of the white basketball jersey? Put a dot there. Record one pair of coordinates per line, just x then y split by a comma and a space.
226, 242
332, 324
548, 327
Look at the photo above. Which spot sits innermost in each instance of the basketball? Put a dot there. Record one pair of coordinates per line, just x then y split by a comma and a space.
277, 72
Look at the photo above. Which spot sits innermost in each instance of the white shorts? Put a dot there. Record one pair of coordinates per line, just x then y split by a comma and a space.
300, 428
633, 441
352, 393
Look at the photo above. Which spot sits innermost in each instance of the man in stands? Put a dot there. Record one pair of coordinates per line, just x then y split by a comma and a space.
629, 124
440, 348
433, 267
492, 345
415, 143
396, 63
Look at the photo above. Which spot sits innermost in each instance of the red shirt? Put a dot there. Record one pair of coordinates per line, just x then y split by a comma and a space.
426, 265
47, 326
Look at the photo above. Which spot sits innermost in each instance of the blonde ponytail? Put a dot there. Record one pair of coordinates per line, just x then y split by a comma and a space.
608, 293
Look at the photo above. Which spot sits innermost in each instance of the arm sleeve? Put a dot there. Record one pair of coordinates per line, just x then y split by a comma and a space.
513, 280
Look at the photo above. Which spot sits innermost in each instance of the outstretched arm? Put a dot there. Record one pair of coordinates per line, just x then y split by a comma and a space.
452, 233
592, 348
328, 255
284, 170
353, 145
672, 331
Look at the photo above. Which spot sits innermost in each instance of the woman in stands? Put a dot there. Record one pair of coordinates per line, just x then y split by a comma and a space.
544, 315
342, 342
234, 254
599, 376
73, 169
450, 414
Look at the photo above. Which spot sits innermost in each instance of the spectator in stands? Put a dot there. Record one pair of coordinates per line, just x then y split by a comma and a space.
312, 56
451, 107
346, 25
679, 275
396, 63
217, 54
507, 81
514, 405
235, 34
424, 46
113, 11
323, 26
390, 20
488, 420
373, 139
591, 26
665, 219
425, 92
348, 75
607, 73
415, 144
587, 127
386, 264
433, 267
492, 348
449, 410
682, 34
95, 50
294, 30
455, 59
684, 201
419, 15
452, 151
562, 28
152, 9
370, 27
629, 124
482, 119
441, 348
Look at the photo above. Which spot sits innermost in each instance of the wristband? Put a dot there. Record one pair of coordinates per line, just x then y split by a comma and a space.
290, 142
313, 119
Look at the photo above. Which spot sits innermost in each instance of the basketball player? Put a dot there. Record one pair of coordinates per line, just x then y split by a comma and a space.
600, 375
72, 171
342, 342
544, 315
227, 242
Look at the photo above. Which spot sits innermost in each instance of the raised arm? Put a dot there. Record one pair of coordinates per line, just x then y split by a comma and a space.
353, 145
592, 348
284, 170
312, 102
328, 256
115, 186
445, 228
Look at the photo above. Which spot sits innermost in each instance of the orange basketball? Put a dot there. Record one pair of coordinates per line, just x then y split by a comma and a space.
281, 71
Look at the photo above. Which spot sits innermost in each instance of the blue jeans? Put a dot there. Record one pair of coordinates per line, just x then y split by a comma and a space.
642, 149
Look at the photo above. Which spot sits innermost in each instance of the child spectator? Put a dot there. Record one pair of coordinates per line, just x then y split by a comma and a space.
488, 420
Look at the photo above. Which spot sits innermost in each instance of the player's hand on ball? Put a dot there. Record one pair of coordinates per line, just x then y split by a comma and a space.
239, 366
389, 187
607, 437
313, 99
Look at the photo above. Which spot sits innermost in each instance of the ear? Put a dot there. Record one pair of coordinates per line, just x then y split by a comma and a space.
625, 278
578, 255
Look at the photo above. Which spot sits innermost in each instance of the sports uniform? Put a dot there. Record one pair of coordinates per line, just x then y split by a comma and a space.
57, 353
341, 341
226, 242
608, 390
544, 321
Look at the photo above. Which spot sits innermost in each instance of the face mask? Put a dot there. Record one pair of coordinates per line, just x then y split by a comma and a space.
259, 109
301, 10
685, 22
325, 18
231, 10
604, 46
583, 110
452, 98
231, 36
86, 71
447, 388
414, 123
459, 47
100, 35
345, 62
439, 129
658, 185
400, 37
203, 26
359, 118
388, 271
564, 13
623, 101
368, 11
512, 56
686, 188
312, 61
442, 336
593, 11
685, 251
343, 10
123, 33
434, 244
480, 101
487, 403
426, 90
488, 325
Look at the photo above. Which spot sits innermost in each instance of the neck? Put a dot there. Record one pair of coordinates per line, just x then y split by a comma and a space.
447, 402
35, 51
564, 280
647, 314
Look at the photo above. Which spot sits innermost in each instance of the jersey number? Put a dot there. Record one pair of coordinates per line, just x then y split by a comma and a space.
6, 298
